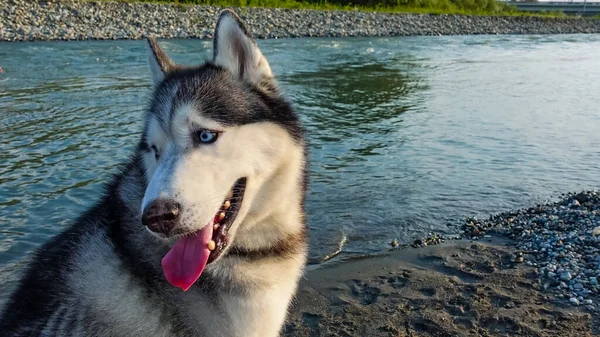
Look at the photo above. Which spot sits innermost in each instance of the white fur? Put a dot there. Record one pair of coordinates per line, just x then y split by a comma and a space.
199, 178
156, 72
262, 313
232, 40
102, 283
54, 321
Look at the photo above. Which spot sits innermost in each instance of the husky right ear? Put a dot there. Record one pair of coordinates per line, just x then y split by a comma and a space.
160, 63
235, 50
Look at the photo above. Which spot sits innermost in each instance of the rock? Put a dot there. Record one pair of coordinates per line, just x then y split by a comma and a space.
556, 235
596, 231
565, 276
574, 301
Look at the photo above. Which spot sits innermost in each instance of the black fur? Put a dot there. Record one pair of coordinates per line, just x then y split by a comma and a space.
222, 97
217, 94
164, 62
241, 24
43, 284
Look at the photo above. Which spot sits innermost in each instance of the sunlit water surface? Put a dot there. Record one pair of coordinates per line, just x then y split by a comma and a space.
407, 135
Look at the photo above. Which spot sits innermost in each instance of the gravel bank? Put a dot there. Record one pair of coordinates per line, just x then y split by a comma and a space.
561, 240
26, 20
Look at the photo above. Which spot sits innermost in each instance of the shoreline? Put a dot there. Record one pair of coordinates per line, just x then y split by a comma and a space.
458, 288
528, 272
21, 20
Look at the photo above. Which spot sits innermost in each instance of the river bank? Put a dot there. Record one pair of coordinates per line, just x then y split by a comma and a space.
530, 272
460, 288
22, 20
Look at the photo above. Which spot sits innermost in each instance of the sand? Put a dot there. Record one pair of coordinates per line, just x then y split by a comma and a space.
459, 288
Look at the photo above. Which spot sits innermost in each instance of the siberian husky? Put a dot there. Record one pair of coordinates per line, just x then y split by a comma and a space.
203, 232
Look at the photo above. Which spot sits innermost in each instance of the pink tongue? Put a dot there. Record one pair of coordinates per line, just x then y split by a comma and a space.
185, 262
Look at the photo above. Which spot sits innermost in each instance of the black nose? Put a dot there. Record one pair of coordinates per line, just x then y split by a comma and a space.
161, 215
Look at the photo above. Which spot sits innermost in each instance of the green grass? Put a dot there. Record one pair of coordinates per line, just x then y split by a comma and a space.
461, 7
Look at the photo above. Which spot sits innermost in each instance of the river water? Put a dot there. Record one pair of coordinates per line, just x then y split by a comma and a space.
407, 134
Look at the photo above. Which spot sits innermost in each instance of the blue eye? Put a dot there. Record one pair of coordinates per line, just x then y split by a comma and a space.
206, 136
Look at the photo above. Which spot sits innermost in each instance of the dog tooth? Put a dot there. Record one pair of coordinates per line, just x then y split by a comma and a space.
215, 227
221, 216
227, 204
212, 245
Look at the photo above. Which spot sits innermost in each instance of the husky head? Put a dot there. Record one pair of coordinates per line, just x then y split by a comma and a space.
223, 155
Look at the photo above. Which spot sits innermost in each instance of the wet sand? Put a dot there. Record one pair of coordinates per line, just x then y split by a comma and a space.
459, 288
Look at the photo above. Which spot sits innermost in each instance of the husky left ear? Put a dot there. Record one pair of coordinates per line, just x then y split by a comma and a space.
160, 63
235, 50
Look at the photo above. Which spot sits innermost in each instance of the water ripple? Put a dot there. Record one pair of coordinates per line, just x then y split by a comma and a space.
406, 134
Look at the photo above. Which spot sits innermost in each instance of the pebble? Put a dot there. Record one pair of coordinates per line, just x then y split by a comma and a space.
556, 238
26, 20
565, 276
574, 301
596, 231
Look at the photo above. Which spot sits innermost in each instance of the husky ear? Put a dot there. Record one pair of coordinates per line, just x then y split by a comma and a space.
160, 63
235, 50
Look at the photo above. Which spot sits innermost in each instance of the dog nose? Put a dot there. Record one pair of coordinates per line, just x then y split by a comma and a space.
161, 215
